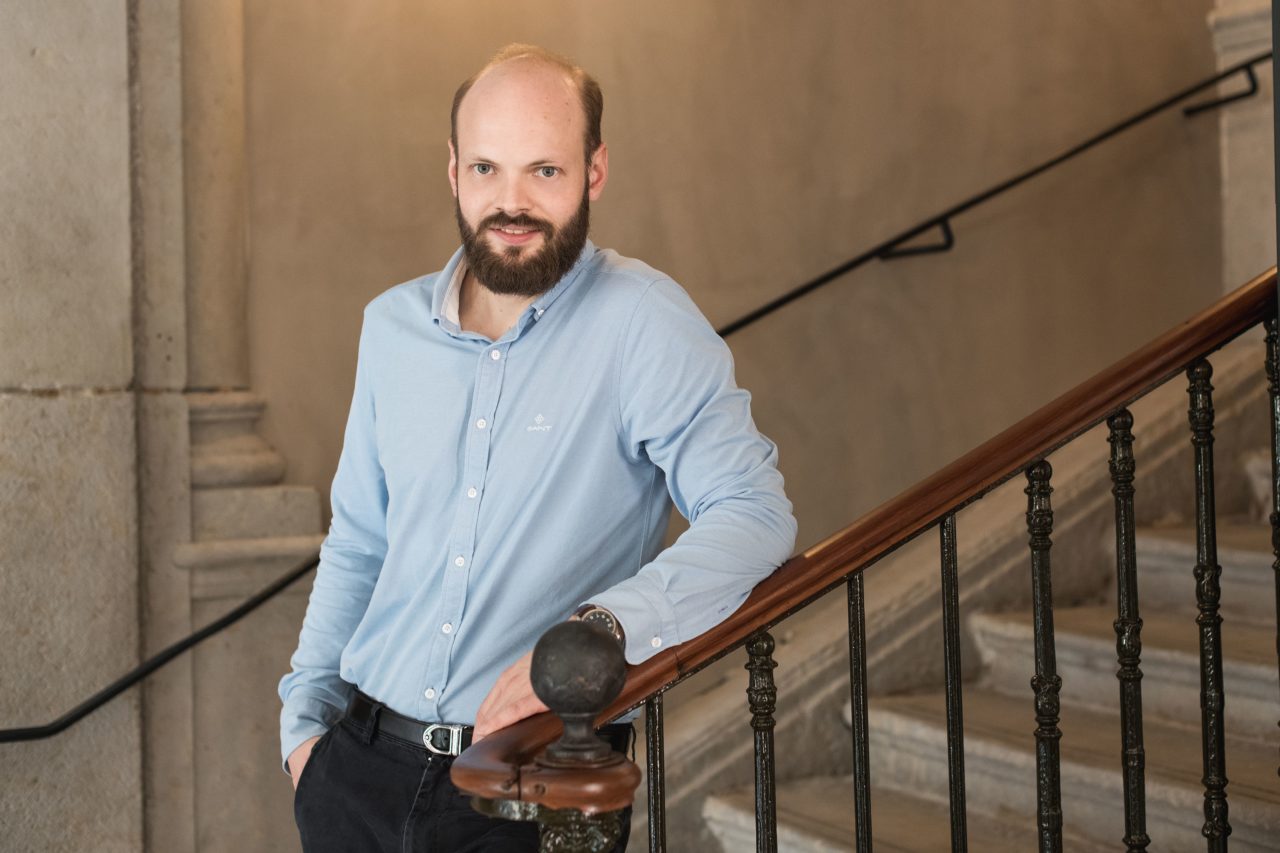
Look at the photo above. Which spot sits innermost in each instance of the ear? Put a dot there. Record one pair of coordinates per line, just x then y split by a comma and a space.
453, 169
598, 172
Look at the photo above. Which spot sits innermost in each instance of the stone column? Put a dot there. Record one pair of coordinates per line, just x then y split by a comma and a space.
1242, 28
160, 349
245, 528
213, 89
68, 490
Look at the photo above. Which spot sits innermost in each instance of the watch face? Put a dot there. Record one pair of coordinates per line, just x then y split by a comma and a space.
603, 619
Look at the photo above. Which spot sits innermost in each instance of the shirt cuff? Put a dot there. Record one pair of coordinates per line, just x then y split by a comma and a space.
646, 619
304, 716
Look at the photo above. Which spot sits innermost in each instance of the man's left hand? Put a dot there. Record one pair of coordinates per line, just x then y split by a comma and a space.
511, 699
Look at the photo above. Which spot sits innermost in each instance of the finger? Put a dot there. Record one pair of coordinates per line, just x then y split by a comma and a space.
511, 712
493, 700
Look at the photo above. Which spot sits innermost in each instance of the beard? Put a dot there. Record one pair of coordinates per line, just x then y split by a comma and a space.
505, 272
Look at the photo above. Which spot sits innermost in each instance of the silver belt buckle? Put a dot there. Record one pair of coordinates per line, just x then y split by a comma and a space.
455, 739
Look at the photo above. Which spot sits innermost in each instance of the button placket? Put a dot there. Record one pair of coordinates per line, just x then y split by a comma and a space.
489, 375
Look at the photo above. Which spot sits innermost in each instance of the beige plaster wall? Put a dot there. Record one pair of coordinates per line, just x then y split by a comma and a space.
1241, 31
754, 145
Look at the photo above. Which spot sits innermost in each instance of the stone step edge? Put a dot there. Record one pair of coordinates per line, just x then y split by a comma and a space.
277, 509
207, 406
1169, 801
1077, 653
1016, 628
730, 807
1158, 547
226, 553
229, 470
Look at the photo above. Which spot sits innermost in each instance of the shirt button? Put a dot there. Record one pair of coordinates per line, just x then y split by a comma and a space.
446, 628
481, 424
539, 312
459, 561
471, 492
430, 693
655, 642
495, 355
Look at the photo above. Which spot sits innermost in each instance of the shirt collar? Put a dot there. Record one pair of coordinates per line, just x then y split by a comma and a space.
445, 300
543, 302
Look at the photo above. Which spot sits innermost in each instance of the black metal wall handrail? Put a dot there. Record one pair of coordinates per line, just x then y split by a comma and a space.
893, 247
156, 661
888, 250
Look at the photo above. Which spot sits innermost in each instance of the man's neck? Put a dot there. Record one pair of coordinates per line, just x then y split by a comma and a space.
487, 313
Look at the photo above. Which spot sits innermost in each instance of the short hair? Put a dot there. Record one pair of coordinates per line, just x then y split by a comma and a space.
588, 90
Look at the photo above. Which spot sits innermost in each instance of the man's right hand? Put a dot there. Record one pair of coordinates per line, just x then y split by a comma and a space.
298, 759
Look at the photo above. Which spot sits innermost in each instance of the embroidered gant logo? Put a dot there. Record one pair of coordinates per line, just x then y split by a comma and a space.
539, 425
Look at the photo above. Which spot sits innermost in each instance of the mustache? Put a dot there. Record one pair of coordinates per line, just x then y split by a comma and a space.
523, 220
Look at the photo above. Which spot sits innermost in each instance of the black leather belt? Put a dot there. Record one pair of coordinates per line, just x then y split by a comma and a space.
443, 738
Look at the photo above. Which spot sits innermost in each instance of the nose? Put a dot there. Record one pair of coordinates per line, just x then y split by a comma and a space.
514, 198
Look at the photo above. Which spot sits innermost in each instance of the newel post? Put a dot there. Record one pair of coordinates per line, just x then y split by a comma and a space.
578, 669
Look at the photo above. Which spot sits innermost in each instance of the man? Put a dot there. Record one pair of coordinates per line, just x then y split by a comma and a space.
521, 423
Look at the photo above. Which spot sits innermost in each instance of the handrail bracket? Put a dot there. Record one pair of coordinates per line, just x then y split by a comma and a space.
1247, 70
948, 241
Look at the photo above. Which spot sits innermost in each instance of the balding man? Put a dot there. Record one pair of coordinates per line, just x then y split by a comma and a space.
522, 423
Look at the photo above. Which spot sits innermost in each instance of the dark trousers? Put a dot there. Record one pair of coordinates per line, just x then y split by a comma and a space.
363, 791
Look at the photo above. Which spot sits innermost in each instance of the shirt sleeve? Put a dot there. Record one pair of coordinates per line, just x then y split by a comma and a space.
351, 557
680, 408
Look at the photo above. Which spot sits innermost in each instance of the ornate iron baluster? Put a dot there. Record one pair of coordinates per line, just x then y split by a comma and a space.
655, 774
577, 669
858, 705
1207, 573
762, 697
1046, 682
1128, 627
1273, 388
953, 675
571, 831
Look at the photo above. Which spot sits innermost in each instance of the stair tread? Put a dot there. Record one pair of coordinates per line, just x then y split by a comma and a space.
816, 814
1092, 739
230, 552
1242, 642
1231, 535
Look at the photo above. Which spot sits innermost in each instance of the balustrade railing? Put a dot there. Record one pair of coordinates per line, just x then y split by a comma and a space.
503, 774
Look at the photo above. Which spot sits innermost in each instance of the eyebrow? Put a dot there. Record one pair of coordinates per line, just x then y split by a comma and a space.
545, 161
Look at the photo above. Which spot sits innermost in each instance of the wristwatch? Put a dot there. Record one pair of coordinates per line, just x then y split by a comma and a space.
597, 615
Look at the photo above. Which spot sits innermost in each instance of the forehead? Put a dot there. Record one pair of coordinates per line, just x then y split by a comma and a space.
521, 108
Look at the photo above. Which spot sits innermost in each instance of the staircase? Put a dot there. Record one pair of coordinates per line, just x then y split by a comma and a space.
247, 529
908, 730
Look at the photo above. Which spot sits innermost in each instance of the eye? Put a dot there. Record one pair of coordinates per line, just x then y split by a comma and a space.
482, 169
548, 171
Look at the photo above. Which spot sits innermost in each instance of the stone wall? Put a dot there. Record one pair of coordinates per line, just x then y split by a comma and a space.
68, 460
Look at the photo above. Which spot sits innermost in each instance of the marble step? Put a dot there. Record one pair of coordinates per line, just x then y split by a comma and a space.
909, 753
248, 466
1167, 558
254, 512
1085, 644
238, 568
225, 449
815, 815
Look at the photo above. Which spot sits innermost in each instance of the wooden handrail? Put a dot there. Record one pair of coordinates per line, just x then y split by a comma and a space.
501, 766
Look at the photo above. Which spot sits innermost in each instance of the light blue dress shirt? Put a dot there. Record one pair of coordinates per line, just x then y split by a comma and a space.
486, 489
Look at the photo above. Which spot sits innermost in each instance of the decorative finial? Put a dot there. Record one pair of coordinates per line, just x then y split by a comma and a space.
578, 668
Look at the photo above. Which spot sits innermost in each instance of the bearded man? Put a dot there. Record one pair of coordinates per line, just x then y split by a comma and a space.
522, 423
